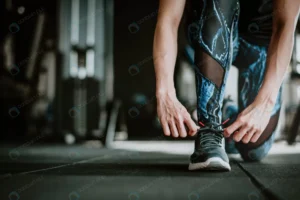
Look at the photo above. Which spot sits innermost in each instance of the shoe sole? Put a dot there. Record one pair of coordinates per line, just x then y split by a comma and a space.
211, 164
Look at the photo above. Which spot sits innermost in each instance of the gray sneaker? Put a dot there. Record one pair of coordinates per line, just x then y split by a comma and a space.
209, 151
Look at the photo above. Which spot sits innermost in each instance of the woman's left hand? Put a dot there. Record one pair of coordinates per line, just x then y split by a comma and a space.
250, 123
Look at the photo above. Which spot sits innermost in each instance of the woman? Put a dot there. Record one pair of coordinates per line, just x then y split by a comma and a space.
257, 37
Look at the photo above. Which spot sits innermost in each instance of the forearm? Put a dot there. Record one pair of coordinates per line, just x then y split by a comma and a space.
280, 50
279, 55
164, 53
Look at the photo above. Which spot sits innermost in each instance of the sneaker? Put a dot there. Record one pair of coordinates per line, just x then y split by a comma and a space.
209, 151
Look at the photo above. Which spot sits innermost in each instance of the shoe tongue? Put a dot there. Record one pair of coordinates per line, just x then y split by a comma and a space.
213, 126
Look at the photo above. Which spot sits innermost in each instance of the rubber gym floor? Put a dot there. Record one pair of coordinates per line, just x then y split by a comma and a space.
81, 171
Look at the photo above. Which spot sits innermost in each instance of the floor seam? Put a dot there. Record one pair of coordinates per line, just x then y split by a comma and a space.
266, 192
59, 166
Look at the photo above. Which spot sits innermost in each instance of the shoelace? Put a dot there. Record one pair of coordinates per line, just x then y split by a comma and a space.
211, 136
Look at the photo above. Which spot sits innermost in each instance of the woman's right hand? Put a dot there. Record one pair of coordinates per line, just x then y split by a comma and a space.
174, 117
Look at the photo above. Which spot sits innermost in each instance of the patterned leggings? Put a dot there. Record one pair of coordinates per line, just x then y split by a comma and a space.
215, 39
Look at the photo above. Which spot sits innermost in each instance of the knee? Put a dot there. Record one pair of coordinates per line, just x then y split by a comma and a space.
253, 154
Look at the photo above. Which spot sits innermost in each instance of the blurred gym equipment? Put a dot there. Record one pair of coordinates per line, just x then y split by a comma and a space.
86, 61
135, 104
21, 69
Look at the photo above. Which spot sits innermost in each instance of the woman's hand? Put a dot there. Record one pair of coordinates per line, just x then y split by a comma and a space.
250, 123
173, 117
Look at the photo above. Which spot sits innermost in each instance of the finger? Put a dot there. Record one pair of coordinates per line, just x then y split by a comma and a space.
256, 136
173, 129
191, 126
181, 128
232, 128
240, 134
166, 129
248, 136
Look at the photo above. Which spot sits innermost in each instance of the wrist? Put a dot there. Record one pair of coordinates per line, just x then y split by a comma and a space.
266, 102
267, 95
165, 92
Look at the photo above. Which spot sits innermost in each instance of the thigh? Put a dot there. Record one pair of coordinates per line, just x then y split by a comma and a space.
212, 25
251, 61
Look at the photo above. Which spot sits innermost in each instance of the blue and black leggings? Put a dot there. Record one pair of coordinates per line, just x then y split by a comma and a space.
217, 42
